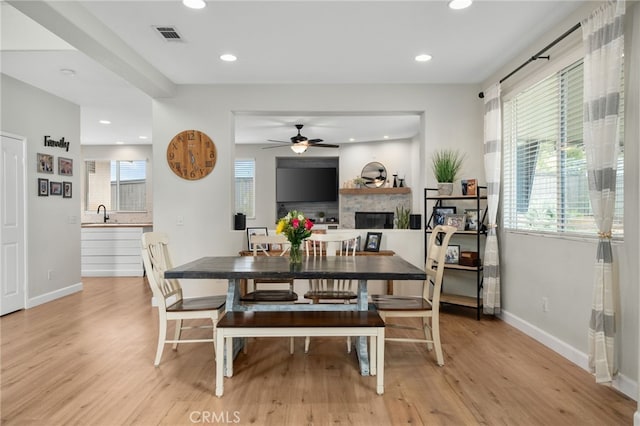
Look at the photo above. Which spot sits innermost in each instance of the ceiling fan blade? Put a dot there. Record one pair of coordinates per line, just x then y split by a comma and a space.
274, 140
275, 146
314, 141
325, 145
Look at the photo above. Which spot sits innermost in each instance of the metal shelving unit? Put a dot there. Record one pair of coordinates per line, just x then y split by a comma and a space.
432, 199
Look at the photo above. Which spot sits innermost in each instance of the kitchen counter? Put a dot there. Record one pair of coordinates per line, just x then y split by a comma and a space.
116, 225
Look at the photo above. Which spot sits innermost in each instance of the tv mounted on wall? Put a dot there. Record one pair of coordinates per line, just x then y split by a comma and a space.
306, 184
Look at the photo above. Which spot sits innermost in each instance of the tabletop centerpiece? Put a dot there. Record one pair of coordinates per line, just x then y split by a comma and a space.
296, 227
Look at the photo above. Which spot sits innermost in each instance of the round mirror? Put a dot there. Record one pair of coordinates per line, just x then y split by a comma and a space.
374, 175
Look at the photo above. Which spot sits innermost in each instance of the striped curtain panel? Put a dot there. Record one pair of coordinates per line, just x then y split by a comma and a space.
492, 168
603, 39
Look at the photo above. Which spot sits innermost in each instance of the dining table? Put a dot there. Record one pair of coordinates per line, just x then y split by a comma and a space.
362, 269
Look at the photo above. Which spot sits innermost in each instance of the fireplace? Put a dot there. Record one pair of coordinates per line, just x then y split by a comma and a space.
374, 220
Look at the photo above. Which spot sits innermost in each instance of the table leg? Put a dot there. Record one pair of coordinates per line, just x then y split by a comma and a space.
390, 287
361, 341
233, 304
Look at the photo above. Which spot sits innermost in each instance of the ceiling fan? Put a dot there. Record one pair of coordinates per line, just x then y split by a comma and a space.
299, 143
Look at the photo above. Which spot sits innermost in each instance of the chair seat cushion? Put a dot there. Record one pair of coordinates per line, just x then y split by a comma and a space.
399, 303
344, 295
198, 304
270, 296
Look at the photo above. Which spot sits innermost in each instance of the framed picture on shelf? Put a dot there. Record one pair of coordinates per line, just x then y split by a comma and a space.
452, 256
256, 231
372, 243
55, 188
458, 221
275, 247
472, 185
43, 187
67, 190
439, 213
472, 216
45, 163
65, 166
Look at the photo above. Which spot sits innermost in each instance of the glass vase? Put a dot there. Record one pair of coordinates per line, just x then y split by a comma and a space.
295, 254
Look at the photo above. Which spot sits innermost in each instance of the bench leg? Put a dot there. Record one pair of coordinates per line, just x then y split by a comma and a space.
373, 355
380, 361
220, 358
229, 358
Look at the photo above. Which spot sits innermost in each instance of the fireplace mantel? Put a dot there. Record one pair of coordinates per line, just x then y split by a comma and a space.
373, 191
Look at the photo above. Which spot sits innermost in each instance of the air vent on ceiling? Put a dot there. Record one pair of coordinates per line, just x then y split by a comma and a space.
168, 33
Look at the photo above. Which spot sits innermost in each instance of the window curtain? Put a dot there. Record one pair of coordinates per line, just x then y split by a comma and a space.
603, 39
492, 167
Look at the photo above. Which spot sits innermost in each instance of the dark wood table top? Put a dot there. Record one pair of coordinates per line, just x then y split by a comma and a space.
338, 267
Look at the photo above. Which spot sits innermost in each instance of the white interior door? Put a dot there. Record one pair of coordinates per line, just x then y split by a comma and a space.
12, 228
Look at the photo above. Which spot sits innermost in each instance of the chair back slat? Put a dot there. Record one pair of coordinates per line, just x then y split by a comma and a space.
156, 259
438, 243
262, 243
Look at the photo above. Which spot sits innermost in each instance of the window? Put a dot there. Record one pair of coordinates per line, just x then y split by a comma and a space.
245, 187
119, 185
545, 184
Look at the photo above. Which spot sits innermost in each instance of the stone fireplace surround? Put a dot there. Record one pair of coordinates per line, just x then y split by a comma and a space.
381, 200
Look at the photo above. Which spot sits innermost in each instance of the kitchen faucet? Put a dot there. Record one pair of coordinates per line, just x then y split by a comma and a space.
106, 218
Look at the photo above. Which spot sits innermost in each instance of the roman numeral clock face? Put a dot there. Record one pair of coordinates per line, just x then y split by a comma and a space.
191, 154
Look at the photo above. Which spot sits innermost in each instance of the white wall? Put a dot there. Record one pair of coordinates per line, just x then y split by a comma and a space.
560, 269
53, 223
452, 117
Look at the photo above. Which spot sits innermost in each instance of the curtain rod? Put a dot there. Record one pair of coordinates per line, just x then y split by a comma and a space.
538, 55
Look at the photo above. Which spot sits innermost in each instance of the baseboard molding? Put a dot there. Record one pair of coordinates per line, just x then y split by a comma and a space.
636, 418
621, 382
57, 294
112, 273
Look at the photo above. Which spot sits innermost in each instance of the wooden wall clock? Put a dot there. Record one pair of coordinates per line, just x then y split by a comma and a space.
191, 154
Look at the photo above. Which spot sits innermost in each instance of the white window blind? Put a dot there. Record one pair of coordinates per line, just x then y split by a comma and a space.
245, 187
545, 184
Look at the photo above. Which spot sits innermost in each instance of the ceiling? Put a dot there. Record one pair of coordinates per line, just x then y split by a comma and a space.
120, 60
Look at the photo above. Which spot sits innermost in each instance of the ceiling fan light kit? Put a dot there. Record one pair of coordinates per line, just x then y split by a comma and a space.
299, 148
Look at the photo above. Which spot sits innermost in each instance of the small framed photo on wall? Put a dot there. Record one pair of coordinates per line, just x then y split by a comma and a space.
43, 187
65, 166
55, 188
45, 163
67, 190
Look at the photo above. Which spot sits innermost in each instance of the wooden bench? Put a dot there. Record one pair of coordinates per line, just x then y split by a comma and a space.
300, 323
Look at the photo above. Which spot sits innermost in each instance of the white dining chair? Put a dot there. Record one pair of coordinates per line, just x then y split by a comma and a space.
426, 306
331, 244
168, 294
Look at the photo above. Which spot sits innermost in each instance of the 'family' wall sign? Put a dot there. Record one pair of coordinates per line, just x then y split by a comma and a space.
60, 144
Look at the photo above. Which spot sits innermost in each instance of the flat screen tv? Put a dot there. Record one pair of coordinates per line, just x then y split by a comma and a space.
306, 184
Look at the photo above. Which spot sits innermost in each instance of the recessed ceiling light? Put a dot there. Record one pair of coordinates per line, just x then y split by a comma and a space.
352, 139
194, 4
459, 4
386, 137
423, 58
68, 72
142, 137
119, 143
104, 122
228, 57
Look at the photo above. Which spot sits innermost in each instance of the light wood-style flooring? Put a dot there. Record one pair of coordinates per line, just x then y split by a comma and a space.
87, 359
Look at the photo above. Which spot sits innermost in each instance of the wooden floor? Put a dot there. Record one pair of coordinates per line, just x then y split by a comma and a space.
87, 359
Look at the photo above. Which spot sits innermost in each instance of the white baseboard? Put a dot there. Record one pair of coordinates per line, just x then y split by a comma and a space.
112, 273
57, 294
621, 382
636, 418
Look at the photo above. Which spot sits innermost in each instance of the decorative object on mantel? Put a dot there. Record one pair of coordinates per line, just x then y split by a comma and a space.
395, 180
321, 217
296, 228
358, 182
402, 217
446, 165
374, 175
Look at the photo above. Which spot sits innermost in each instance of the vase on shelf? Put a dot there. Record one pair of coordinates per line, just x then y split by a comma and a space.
445, 188
295, 254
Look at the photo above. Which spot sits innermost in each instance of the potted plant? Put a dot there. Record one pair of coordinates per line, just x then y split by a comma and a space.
446, 164
402, 217
359, 182
321, 217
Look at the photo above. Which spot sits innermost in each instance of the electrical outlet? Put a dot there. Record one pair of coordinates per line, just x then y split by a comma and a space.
51, 274
545, 304
180, 221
